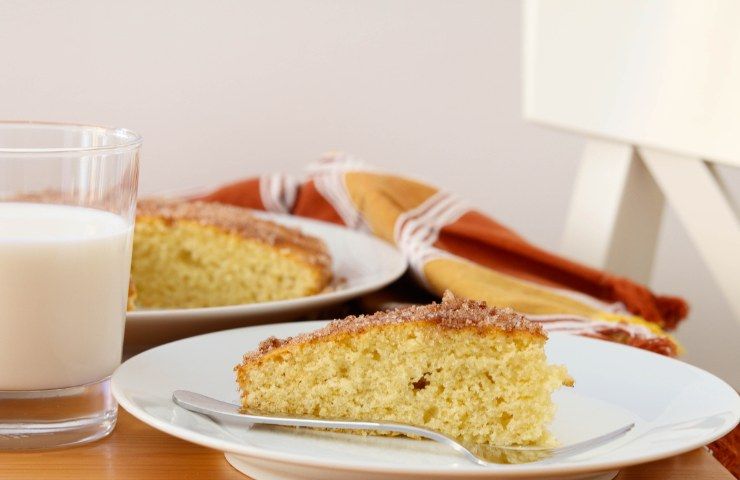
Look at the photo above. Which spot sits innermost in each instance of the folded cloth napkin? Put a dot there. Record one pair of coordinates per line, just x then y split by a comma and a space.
451, 245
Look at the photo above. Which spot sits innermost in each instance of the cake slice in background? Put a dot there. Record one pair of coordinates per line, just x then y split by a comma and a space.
196, 254
475, 373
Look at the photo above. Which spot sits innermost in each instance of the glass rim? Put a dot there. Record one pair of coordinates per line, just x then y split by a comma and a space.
130, 139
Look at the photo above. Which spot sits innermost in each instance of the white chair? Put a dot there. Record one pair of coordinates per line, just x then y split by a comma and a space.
656, 88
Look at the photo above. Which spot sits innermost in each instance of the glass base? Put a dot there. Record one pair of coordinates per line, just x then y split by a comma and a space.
41, 419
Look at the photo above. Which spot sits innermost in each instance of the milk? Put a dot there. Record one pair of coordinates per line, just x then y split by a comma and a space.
64, 274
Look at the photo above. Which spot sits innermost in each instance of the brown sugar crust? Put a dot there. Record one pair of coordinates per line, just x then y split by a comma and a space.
240, 221
453, 313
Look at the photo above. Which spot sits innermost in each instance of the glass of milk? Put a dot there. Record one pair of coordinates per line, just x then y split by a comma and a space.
67, 205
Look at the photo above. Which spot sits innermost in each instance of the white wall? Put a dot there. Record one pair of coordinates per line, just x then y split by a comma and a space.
226, 89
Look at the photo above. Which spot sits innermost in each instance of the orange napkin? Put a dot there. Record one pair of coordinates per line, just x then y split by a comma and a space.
451, 245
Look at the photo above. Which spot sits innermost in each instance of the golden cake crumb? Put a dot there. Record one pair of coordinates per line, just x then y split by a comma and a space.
459, 367
198, 254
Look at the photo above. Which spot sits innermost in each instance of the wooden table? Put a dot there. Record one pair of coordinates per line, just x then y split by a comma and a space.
135, 451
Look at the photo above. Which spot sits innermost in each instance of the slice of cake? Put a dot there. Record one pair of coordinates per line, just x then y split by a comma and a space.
196, 254
475, 373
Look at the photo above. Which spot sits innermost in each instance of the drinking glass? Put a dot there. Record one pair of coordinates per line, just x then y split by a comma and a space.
67, 205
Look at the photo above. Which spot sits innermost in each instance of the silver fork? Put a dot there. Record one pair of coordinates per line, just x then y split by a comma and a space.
484, 455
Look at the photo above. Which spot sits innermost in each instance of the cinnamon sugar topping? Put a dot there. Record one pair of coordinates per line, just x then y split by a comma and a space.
240, 221
452, 313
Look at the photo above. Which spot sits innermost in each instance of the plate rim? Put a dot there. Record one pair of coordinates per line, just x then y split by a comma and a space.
518, 470
400, 267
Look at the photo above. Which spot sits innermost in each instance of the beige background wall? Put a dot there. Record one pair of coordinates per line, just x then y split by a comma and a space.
226, 89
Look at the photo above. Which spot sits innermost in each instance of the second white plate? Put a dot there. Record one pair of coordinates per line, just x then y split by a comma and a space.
362, 262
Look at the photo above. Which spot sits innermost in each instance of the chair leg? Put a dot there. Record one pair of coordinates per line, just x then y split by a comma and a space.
615, 211
706, 213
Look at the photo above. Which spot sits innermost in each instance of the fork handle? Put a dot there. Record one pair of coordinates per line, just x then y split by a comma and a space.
195, 402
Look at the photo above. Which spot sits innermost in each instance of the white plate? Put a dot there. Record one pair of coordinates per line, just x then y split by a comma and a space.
365, 262
676, 408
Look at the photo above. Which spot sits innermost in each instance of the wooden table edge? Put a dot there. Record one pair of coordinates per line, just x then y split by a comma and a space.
136, 451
